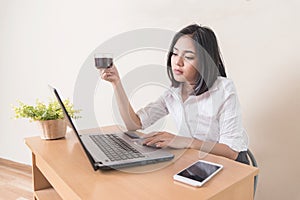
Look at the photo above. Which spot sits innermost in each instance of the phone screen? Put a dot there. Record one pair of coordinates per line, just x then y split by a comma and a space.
199, 171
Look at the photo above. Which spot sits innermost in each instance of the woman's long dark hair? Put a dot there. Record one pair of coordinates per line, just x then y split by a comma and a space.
210, 64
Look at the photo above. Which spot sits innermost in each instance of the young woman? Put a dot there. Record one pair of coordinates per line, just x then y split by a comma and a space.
202, 101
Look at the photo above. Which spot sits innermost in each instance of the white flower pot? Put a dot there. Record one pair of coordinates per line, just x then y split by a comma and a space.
53, 129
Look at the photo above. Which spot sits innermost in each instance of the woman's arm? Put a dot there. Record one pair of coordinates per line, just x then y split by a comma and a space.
165, 139
214, 148
130, 118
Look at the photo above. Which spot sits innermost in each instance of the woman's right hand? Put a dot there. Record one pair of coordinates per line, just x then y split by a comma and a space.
110, 74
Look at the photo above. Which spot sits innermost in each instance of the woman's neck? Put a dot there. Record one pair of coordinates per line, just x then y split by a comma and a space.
186, 90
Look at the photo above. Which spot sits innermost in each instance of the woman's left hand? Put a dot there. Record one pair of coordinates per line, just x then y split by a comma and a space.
165, 139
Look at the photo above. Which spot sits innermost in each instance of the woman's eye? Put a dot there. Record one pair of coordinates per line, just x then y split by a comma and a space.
174, 54
189, 57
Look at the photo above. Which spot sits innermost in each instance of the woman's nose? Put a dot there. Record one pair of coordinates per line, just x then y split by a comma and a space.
179, 61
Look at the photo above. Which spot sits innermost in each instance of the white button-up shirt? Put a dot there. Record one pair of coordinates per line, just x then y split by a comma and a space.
213, 116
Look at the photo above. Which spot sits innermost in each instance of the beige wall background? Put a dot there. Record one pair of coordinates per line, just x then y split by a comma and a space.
47, 42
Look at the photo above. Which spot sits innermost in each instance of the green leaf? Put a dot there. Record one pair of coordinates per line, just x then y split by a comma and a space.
42, 111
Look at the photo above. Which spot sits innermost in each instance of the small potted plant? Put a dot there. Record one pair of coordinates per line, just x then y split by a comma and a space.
49, 116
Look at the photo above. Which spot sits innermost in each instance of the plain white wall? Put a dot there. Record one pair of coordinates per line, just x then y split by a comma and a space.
47, 42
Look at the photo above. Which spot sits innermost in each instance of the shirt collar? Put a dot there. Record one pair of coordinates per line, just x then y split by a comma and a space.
177, 90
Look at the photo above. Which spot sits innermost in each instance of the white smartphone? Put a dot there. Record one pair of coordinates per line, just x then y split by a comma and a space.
198, 173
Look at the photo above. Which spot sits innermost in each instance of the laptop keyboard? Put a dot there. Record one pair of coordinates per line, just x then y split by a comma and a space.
115, 148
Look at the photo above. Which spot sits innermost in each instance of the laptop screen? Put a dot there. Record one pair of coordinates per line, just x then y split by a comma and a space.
69, 119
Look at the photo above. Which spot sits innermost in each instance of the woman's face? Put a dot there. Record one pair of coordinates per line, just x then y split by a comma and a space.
184, 60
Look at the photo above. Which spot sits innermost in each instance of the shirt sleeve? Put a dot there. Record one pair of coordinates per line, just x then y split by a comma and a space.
232, 132
153, 112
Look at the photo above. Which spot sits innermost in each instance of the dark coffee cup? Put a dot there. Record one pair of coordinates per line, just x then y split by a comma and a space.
103, 60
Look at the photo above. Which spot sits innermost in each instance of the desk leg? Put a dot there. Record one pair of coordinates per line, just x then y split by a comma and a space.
241, 190
39, 180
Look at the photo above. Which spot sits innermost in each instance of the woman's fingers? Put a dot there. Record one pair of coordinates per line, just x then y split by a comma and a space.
152, 141
153, 134
158, 139
109, 74
105, 75
165, 139
162, 144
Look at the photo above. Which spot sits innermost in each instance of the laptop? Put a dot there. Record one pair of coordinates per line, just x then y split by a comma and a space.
114, 150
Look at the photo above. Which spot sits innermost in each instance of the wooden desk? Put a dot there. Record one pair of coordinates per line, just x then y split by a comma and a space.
62, 171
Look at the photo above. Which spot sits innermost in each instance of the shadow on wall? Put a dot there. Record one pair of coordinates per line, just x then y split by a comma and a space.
274, 138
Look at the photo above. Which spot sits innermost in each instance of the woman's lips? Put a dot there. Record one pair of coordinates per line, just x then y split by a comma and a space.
178, 72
